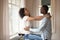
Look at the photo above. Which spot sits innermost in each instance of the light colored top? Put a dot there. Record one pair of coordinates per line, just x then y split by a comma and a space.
24, 23
44, 29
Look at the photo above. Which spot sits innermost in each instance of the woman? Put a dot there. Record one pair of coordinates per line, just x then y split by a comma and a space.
26, 18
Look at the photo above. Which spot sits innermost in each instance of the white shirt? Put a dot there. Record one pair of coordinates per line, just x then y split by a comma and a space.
24, 23
44, 29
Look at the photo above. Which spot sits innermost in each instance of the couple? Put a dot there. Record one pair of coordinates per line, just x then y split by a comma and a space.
43, 32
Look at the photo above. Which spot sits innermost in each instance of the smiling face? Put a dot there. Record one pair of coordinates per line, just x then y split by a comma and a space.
27, 12
43, 10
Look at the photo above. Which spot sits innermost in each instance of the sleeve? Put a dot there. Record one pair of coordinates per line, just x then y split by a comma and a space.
27, 23
42, 26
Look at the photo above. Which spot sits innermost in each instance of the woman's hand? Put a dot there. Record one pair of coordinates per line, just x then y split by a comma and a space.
48, 15
27, 28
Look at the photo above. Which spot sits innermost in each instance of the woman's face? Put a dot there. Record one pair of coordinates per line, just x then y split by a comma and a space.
27, 12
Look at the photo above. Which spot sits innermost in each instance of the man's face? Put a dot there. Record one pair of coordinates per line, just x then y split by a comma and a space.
42, 10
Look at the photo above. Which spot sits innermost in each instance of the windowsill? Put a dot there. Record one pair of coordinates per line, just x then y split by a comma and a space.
13, 36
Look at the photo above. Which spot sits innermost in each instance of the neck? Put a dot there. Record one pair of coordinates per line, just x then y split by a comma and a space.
44, 13
26, 15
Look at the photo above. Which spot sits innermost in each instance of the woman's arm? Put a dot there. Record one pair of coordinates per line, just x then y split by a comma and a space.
39, 17
35, 18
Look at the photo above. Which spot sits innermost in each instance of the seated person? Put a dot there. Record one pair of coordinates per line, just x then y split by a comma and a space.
25, 22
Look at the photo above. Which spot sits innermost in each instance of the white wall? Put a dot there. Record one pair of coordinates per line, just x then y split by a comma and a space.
33, 7
29, 5
3, 21
56, 19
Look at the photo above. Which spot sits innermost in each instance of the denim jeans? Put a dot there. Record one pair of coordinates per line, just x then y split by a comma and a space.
32, 37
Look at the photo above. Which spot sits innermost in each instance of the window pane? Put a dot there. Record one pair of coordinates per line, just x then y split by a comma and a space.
45, 2
10, 21
13, 1
9, 1
10, 10
18, 2
15, 18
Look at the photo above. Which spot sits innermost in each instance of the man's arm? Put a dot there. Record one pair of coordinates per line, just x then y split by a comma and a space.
42, 26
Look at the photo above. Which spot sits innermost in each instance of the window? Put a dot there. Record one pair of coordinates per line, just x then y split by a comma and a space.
45, 2
14, 6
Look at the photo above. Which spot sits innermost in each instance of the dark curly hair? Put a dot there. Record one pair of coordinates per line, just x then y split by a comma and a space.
21, 12
45, 7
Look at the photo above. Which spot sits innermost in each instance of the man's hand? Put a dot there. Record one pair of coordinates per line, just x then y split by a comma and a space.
27, 28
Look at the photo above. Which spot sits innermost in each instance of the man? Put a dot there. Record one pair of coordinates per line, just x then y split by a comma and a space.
45, 27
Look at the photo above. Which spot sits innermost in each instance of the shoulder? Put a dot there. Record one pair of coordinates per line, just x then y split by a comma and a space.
25, 17
45, 19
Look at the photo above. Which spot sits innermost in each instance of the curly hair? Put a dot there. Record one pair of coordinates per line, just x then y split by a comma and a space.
21, 12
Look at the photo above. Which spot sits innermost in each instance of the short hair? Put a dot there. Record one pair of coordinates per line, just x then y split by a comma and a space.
21, 12
46, 8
